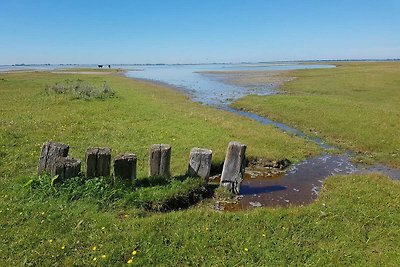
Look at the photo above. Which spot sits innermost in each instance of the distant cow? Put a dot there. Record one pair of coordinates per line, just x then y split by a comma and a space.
100, 66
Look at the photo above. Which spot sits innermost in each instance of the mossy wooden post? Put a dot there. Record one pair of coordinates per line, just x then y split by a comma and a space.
234, 165
160, 160
200, 163
51, 151
98, 161
66, 168
125, 167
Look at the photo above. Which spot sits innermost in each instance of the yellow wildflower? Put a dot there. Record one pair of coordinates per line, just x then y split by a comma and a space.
94, 259
246, 249
134, 252
129, 261
103, 256
51, 241
63, 247
94, 248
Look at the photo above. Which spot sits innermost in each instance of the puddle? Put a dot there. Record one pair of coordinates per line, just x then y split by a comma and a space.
298, 185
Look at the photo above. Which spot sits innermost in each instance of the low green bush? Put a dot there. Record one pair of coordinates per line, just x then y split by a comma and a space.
80, 90
224, 194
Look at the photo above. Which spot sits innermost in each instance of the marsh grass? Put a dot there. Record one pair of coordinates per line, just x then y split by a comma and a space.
355, 220
79, 89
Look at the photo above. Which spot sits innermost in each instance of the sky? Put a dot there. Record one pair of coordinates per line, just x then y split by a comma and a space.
202, 31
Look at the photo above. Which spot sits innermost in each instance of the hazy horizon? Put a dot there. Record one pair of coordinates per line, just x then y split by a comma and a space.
207, 63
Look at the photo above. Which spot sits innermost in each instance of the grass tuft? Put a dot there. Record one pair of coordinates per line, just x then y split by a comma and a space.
79, 89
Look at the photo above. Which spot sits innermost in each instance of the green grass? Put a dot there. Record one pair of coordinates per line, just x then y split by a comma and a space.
153, 193
138, 116
355, 221
354, 106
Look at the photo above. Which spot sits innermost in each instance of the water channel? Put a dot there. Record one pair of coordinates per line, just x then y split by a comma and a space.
301, 182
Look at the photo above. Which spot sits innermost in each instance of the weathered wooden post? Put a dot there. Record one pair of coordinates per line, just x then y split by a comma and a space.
234, 165
98, 160
66, 168
160, 160
200, 163
125, 167
51, 151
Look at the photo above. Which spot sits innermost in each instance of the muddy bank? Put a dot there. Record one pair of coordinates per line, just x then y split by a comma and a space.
251, 79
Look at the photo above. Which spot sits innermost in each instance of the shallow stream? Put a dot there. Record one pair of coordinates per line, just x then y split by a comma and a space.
301, 182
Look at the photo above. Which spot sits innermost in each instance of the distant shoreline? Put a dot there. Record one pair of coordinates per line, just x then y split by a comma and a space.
211, 63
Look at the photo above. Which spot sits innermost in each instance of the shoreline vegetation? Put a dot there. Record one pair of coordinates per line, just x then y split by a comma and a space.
354, 221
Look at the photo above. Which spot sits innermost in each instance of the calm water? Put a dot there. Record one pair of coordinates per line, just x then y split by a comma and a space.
40, 67
206, 89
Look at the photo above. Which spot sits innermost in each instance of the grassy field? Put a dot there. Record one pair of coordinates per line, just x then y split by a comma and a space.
354, 106
354, 221
139, 115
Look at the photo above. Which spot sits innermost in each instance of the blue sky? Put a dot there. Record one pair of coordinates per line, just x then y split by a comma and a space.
109, 32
